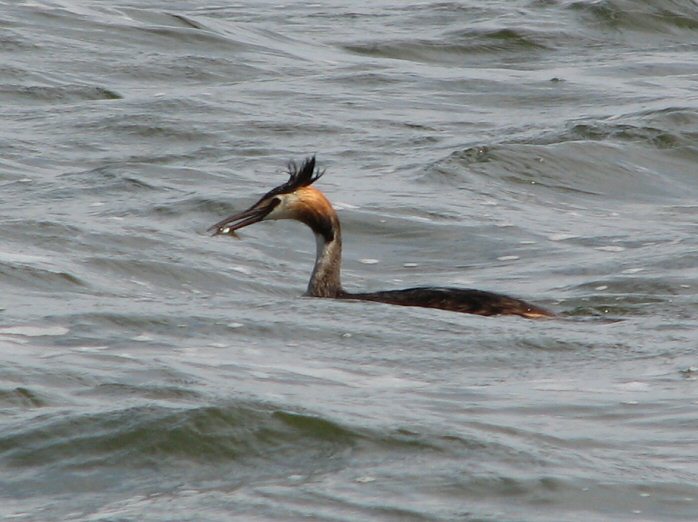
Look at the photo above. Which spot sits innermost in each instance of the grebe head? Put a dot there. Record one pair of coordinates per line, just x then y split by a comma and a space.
295, 199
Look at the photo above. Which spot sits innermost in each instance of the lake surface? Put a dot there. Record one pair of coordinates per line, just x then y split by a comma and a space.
545, 149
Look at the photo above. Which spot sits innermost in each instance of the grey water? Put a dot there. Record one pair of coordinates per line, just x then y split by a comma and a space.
546, 149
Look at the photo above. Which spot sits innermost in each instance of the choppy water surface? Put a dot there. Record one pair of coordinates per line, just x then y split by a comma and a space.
546, 149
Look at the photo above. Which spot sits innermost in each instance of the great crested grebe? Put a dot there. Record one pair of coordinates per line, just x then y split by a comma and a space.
297, 199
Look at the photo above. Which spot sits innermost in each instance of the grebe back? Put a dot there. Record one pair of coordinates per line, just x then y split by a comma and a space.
297, 199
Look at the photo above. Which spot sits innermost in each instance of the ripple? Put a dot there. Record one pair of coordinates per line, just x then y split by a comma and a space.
40, 94
148, 435
651, 17
455, 48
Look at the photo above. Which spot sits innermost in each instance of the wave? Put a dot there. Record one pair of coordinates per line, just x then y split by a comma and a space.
453, 47
654, 16
36, 94
150, 436
635, 156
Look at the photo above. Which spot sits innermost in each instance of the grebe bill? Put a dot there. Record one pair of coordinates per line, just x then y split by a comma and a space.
297, 199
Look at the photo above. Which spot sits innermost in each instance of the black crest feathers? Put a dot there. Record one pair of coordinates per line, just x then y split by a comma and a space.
299, 177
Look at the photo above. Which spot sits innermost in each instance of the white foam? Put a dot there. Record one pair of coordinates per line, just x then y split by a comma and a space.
34, 331
561, 237
633, 386
343, 206
13, 257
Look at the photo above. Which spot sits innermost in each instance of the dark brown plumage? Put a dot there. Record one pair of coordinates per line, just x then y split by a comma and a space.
463, 300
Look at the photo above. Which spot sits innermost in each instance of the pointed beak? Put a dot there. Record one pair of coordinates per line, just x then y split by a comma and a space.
252, 215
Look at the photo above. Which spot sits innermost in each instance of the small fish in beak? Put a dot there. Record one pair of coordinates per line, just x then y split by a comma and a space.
254, 214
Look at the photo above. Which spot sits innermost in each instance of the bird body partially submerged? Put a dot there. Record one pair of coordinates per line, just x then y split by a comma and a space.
463, 300
297, 199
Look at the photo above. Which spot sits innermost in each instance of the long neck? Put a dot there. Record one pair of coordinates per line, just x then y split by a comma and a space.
311, 207
325, 280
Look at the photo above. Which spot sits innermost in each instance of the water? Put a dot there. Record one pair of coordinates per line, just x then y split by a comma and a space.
545, 149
